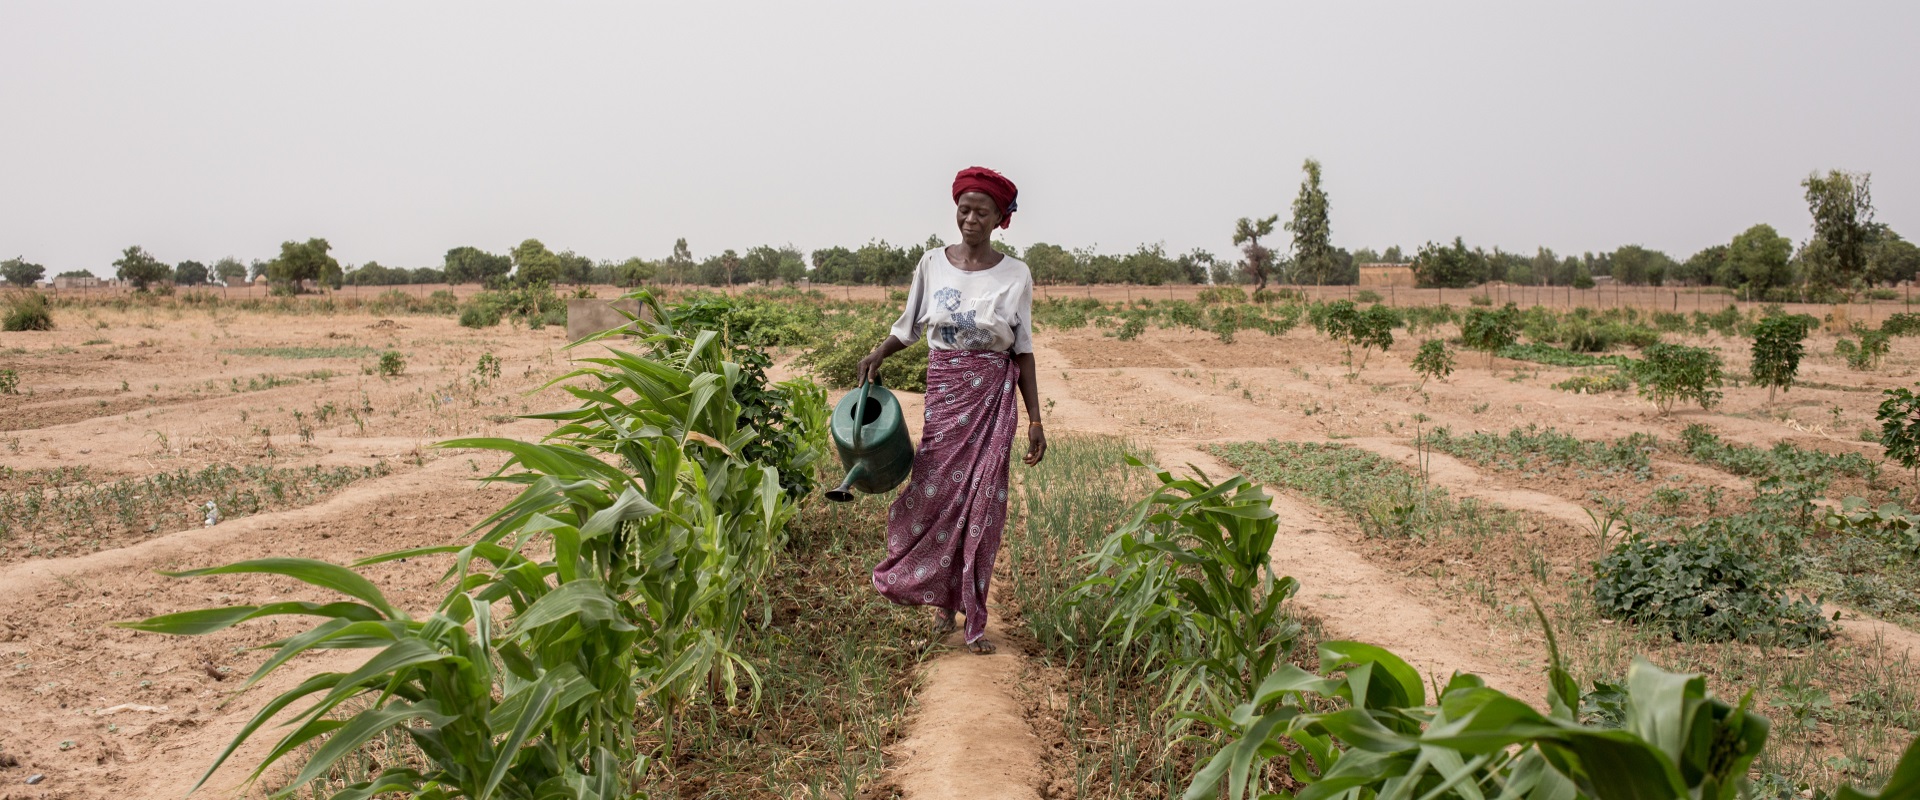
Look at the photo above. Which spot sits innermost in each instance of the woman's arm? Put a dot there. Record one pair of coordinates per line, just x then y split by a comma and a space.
1030, 396
869, 368
905, 329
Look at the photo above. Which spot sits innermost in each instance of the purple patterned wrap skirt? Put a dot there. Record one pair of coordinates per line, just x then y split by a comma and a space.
943, 531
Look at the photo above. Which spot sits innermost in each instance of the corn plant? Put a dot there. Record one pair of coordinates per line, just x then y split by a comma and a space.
659, 533
1381, 737
1191, 587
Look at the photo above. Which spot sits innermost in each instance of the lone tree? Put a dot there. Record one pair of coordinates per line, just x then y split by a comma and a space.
138, 267
1312, 231
534, 263
1259, 260
304, 261
190, 273
1842, 207
21, 272
229, 270
1778, 343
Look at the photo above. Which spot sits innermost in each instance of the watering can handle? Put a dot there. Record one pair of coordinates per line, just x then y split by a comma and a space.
859, 410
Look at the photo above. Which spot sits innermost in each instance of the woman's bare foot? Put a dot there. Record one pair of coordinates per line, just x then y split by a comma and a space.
943, 623
981, 647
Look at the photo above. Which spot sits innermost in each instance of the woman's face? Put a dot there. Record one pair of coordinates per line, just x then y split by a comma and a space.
977, 215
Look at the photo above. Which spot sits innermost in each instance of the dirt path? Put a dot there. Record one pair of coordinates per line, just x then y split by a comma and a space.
970, 738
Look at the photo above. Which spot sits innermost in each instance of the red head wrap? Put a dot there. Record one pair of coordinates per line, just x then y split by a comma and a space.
992, 184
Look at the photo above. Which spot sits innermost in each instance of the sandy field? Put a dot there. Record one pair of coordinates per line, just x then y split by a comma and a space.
112, 399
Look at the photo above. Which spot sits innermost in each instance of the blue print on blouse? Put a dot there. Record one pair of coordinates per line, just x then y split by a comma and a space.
947, 298
964, 333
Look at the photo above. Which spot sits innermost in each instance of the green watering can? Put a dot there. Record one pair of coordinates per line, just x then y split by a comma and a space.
871, 435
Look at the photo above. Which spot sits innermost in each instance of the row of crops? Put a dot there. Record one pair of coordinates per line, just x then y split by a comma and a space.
611, 597
614, 586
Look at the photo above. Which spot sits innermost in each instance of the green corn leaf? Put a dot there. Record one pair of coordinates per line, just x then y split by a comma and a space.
317, 683
318, 573
586, 599
362, 727
1403, 684
194, 623
533, 713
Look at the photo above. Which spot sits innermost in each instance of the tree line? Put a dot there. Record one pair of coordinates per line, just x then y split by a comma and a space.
1849, 250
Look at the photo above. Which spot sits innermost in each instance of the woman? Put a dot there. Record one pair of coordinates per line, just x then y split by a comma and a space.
975, 306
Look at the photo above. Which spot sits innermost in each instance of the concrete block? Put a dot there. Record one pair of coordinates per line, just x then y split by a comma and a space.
591, 315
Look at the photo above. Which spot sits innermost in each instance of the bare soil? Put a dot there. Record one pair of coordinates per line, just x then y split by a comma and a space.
104, 712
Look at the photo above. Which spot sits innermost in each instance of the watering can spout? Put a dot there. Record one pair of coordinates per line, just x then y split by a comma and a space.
844, 492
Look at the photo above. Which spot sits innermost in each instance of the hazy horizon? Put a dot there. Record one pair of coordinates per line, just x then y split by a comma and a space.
399, 131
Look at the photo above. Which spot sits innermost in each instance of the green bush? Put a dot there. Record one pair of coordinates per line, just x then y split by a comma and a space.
1220, 294
475, 315
9, 382
834, 356
1701, 589
1670, 372
1901, 324
1778, 344
1433, 361
1488, 331
1866, 356
27, 311
1556, 357
757, 320
1367, 296
392, 364
1609, 381
1899, 417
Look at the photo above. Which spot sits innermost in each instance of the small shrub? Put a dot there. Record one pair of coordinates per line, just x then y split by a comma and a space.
1367, 296
1610, 381
1221, 294
1866, 356
1702, 590
1488, 330
1902, 324
1556, 357
835, 355
1135, 325
1899, 418
476, 315
488, 368
392, 364
1882, 294
1433, 361
27, 311
9, 382
1671, 372
1479, 300
1778, 344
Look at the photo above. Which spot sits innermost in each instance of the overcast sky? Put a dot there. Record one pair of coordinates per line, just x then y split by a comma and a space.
399, 130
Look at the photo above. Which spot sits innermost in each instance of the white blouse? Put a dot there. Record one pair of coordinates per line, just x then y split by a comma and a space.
991, 309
